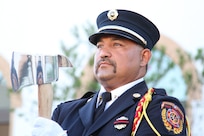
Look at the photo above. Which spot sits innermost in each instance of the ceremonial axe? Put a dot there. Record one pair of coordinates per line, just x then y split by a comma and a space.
41, 70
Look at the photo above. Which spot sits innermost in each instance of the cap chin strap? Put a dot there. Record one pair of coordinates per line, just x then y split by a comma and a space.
141, 111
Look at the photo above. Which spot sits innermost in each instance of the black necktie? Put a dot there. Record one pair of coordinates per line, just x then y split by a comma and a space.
106, 96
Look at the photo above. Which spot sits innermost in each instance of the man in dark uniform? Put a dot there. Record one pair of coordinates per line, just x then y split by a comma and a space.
124, 41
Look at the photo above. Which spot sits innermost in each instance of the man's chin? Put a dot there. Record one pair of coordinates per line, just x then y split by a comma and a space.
104, 76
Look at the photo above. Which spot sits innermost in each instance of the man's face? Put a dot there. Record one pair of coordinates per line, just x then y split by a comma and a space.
118, 61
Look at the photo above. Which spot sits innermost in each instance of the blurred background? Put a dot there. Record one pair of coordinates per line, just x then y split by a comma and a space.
52, 27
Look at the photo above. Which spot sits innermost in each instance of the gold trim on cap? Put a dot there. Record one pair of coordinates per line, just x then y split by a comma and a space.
125, 30
112, 14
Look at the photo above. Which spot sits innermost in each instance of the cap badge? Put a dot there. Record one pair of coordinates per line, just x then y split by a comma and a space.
121, 123
112, 14
172, 117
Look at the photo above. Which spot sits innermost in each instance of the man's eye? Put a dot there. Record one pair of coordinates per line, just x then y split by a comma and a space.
117, 44
98, 45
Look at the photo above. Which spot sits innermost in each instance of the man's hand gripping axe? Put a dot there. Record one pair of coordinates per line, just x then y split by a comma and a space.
42, 70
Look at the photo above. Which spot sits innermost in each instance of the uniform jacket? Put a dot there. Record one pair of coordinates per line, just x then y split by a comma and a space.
76, 116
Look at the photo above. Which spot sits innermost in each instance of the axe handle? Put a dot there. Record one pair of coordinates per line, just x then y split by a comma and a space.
45, 98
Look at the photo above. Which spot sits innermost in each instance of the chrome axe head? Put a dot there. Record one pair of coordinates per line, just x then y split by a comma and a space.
27, 69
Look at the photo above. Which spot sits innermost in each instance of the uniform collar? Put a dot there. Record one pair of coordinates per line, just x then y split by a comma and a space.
118, 91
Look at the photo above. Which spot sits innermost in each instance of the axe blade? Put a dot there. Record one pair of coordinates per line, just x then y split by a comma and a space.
27, 69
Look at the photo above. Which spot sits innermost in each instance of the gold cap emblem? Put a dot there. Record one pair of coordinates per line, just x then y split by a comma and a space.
112, 14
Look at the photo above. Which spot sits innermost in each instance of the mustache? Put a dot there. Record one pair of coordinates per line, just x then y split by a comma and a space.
109, 61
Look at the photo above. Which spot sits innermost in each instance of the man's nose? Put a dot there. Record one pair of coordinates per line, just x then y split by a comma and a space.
105, 53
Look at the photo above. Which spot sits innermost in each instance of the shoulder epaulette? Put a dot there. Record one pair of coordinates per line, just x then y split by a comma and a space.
160, 91
88, 95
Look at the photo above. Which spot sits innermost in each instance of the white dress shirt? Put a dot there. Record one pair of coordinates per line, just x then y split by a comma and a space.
117, 92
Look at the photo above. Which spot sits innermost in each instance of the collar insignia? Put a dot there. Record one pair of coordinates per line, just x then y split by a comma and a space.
88, 100
136, 95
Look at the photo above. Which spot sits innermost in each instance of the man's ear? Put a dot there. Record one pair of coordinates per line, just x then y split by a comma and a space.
145, 57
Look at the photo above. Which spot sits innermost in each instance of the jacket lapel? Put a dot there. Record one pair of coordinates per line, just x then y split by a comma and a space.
86, 113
